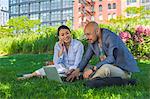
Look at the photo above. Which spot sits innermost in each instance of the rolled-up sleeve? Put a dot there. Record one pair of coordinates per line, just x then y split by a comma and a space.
88, 55
56, 59
78, 56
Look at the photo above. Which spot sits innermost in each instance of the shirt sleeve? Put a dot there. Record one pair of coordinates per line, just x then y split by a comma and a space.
88, 55
78, 57
56, 59
112, 42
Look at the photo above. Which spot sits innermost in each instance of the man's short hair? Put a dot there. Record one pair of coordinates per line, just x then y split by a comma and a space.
92, 23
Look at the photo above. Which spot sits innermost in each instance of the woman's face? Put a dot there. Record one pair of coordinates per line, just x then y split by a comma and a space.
64, 35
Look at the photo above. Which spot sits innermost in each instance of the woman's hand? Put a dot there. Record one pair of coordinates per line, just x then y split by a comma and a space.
74, 75
61, 44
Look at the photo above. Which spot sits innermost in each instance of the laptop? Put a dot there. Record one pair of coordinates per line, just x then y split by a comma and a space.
52, 74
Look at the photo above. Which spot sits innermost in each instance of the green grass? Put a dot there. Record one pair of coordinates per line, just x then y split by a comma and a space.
42, 88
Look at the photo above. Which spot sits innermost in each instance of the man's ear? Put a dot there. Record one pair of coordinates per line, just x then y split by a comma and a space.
97, 31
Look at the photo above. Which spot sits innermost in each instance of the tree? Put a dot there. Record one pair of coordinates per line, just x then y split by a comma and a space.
22, 24
139, 17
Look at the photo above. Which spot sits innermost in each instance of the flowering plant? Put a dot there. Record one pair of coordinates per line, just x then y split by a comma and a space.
138, 41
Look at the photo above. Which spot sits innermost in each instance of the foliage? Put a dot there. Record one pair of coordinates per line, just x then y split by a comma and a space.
22, 24
138, 41
5, 31
130, 28
10, 66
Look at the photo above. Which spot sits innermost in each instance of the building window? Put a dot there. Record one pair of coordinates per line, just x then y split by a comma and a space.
13, 1
23, 1
80, 20
92, 7
25, 15
114, 5
34, 7
45, 24
109, 6
45, 17
34, 16
67, 3
114, 15
100, 17
109, 16
55, 4
100, 8
67, 14
55, 16
130, 1
32, 0
92, 18
44, 6
24, 8
14, 9
55, 23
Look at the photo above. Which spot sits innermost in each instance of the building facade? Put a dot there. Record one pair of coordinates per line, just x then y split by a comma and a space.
50, 12
4, 14
55, 12
95, 10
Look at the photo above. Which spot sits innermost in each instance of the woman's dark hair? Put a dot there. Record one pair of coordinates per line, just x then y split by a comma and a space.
62, 27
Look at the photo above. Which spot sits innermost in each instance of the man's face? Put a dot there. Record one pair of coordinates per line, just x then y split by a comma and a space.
90, 34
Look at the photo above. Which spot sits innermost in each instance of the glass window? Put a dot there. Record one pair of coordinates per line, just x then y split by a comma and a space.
114, 5
45, 17
13, 1
92, 18
45, 24
34, 7
32, 0
100, 17
55, 23
130, 1
80, 20
14, 9
55, 15
109, 6
34, 16
44, 6
24, 8
67, 14
114, 15
55, 4
100, 8
23, 1
133, 0
67, 3
109, 16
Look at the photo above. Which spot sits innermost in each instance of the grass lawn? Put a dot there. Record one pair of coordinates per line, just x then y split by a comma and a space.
42, 88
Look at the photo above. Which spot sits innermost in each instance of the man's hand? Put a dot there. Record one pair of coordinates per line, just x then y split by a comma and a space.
73, 75
87, 73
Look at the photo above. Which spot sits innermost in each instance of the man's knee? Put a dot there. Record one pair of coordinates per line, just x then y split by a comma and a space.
106, 66
104, 71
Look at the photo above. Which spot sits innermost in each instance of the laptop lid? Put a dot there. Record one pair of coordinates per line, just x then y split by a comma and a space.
52, 74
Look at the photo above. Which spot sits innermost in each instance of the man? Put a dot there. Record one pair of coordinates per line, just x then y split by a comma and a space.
115, 58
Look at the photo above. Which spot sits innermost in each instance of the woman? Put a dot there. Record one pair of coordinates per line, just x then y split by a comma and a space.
68, 53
